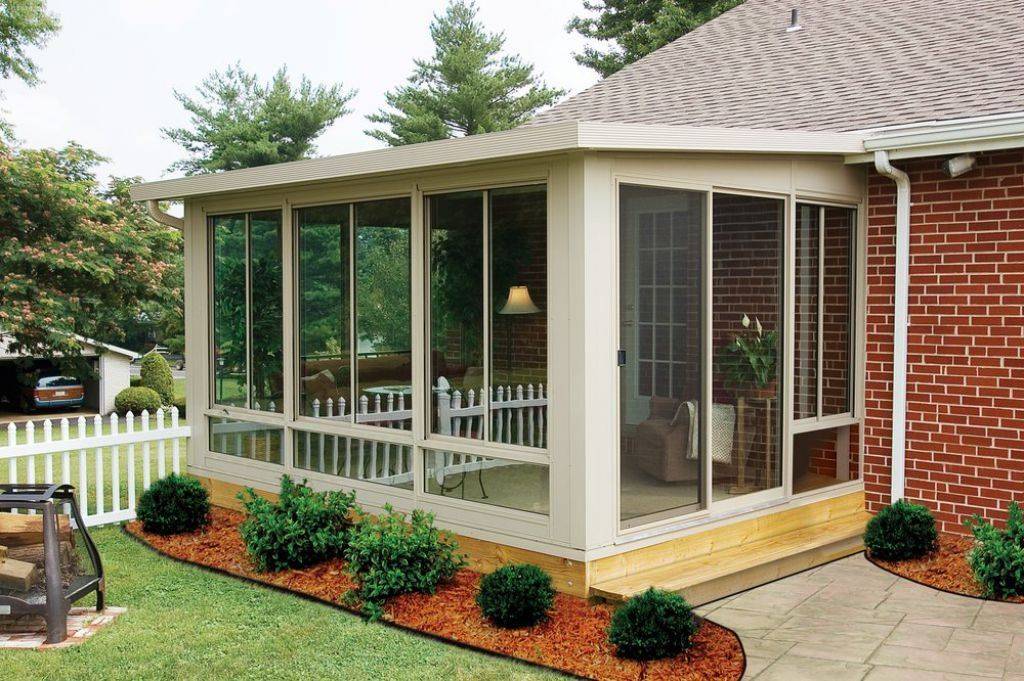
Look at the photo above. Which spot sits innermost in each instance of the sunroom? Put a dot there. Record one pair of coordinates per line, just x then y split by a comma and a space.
613, 350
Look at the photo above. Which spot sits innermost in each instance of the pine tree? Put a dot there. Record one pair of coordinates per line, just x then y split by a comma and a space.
468, 87
239, 122
639, 27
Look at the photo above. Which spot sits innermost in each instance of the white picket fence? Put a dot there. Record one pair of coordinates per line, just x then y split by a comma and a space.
517, 415
102, 463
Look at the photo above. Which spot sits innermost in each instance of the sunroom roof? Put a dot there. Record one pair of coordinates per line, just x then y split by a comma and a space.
533, 140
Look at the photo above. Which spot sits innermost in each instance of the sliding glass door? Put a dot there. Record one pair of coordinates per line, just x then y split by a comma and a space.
661, 315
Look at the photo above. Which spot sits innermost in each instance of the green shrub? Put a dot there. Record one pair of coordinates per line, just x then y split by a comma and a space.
387, 556
179, 402
997, 558
900, 532
174, 504
135, 381
135, 400
516, 595
653, 625
304, 527
156, 374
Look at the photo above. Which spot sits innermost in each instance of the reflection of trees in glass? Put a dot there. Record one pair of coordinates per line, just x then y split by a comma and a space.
383, 305
323, 271
265, 273
229, 306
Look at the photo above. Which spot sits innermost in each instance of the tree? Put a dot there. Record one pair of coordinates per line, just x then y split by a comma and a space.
239, 122
639, 27
23, 24
76, 255
466, 88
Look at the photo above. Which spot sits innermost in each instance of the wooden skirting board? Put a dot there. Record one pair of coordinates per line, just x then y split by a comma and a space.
579, 578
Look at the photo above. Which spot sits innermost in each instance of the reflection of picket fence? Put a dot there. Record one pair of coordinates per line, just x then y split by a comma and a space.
101, 462
384, 463
517, 416
388, 412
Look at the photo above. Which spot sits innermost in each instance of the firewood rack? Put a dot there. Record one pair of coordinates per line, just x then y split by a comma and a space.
59, 590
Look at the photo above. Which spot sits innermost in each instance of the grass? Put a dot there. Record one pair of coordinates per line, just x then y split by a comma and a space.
184, 623
179, 388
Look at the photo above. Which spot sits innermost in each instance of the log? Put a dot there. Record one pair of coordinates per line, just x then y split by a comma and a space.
17, 575
34, 553
22, 529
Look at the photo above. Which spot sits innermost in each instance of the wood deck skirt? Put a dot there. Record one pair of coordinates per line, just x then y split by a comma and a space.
779, 536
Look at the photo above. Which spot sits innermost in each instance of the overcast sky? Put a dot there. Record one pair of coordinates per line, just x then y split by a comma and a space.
109, 75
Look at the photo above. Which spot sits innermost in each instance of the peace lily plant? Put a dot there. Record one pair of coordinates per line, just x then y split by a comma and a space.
748, 361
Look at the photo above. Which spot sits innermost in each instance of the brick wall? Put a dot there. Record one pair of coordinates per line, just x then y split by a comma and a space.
965, 387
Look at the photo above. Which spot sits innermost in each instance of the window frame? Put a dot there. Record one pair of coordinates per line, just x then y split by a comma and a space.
851, 415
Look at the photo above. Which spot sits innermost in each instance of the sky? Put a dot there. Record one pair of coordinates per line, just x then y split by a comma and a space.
110, 74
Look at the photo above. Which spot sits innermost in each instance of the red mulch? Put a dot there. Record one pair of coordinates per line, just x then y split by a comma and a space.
946, 568
573, 639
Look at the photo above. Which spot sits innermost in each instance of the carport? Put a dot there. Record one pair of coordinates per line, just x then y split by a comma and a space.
110, 363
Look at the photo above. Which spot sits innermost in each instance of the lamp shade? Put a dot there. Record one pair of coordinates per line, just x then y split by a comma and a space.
519, 302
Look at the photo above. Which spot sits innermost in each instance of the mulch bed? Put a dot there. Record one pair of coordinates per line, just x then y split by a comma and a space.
945, 569
572, 640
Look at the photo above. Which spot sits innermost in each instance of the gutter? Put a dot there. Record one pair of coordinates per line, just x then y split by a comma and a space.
900, 322
153, 208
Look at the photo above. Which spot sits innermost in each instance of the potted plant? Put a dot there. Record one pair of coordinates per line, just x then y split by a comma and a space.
748, 361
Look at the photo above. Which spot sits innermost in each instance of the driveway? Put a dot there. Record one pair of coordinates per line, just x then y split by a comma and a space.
852, 620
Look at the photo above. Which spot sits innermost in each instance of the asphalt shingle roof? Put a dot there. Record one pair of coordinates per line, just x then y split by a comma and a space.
855, 64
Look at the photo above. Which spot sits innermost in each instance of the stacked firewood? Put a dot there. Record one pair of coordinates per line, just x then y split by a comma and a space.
22, 552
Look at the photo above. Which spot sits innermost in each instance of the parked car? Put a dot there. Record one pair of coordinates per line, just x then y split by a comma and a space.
54, 391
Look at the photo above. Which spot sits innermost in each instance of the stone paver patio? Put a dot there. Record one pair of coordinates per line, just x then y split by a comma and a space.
852, 620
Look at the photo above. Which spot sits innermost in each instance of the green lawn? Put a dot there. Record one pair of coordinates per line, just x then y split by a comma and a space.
179, 388
184, 623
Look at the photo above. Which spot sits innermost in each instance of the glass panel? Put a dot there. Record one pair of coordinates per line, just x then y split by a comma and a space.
382, 463
456, 313
825, 457
519, 330
247, 440
747, 316
384, 313
805, 311
660, 258
837, 336
229, 339
324, 337
495, 482
265, 272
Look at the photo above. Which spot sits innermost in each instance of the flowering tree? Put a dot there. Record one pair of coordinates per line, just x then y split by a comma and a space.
77, 257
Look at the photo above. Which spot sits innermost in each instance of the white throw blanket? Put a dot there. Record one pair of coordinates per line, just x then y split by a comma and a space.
723, 426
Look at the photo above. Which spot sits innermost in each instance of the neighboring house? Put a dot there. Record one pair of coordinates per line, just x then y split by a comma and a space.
110, 363
543, 317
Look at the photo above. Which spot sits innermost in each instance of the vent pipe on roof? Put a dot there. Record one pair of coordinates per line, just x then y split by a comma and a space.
794, 21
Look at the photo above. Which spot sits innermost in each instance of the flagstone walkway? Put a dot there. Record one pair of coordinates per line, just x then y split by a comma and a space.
852, 620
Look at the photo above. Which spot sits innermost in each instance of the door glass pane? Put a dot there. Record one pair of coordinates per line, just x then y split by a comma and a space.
229, 337
519, 352
265, 272
825, 457
747, 235
837, 336
384, 313
660, 295
324, 338
456, 314
805, 311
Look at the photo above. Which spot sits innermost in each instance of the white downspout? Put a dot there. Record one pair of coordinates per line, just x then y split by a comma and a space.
900, 322
153, 208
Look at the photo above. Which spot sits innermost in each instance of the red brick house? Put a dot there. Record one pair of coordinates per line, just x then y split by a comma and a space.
685, 328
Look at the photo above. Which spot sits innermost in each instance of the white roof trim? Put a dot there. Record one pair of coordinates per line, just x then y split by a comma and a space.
524, 141
4, 342
940, 138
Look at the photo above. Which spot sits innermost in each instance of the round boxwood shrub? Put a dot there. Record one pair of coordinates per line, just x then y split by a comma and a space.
997, 558
179, 402
156, 374
653, 625
901, 532
173, 505
135, 400
516, 595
